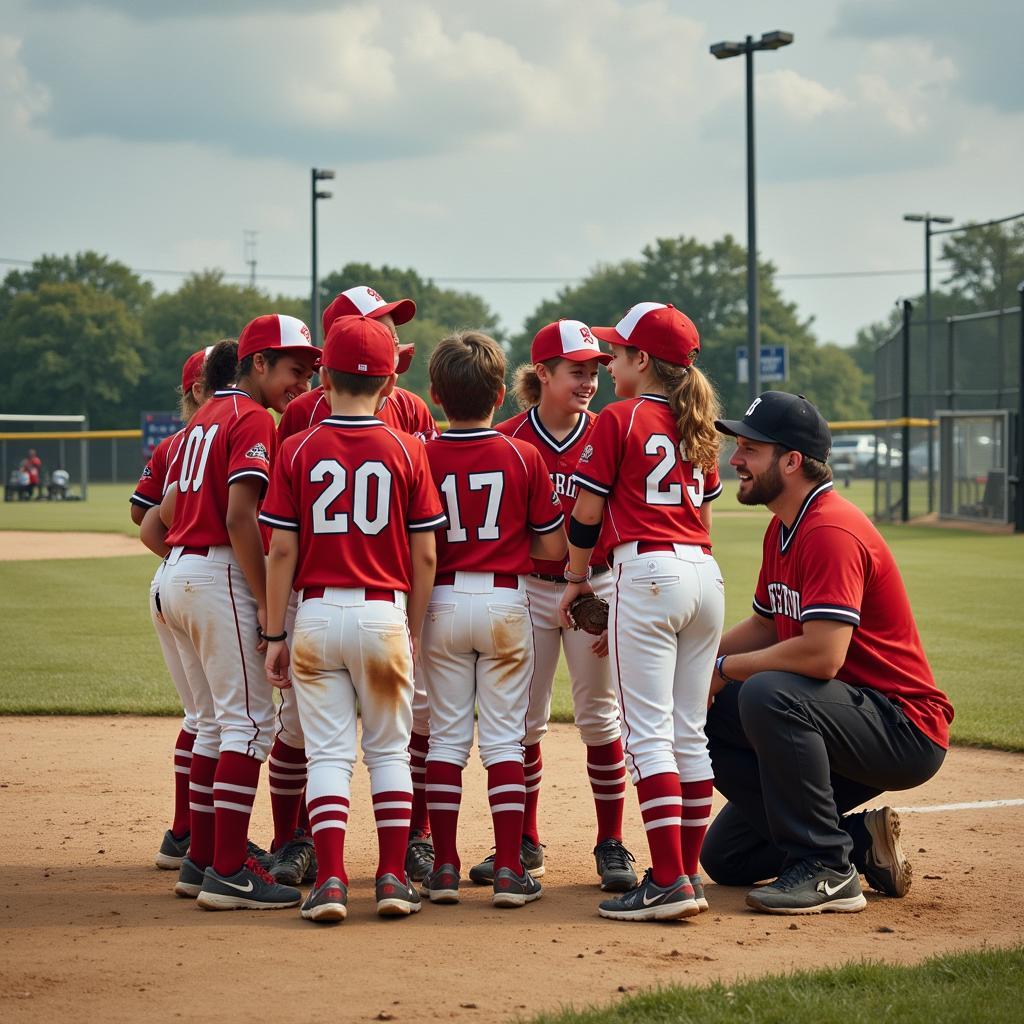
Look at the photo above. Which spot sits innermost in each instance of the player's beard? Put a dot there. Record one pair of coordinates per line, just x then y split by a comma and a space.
764, 488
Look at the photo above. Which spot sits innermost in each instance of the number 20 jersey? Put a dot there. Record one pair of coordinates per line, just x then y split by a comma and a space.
632, 459
353, 489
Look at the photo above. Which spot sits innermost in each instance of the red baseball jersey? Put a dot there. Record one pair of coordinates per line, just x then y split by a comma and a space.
632, 459
833, 564
401, 409
560, 458
353, 489
152, 485
231, 438
496, 491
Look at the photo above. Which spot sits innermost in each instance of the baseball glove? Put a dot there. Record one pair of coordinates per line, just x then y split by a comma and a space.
589, 613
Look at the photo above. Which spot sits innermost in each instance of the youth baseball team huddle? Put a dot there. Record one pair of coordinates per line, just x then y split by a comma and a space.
356, 558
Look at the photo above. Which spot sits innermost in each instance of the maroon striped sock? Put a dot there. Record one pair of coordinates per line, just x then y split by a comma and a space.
444, 795
696, 818
182, 763
392, 810
660, 807
506, 790
287, 771
234, 792
533, 771
201, 816
328, 820
418, 747
606, 766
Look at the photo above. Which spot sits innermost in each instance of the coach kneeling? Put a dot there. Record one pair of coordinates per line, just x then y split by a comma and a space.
823, 698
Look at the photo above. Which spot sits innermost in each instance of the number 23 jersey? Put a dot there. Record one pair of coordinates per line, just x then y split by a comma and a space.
632, 459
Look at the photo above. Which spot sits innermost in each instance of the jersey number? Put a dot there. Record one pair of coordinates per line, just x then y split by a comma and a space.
370, 477
494, 483
193, 459
661, 444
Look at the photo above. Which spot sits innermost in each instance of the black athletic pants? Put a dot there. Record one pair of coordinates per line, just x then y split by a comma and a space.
791, 754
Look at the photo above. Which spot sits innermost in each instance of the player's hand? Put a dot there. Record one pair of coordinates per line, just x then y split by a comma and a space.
278, 664
261, 620
571, 592
717, 685
600, 645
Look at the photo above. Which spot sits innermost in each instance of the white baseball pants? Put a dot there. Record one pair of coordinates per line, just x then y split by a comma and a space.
190, 722
477, 647
595, 706
666, 617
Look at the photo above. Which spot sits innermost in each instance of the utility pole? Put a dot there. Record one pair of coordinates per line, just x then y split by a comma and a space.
249, 242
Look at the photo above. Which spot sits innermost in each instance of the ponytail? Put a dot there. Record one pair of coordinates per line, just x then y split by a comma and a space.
526, 385
695, 405
221, 366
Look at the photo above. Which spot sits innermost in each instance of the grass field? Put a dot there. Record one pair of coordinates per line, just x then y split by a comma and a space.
77, 639
965, 987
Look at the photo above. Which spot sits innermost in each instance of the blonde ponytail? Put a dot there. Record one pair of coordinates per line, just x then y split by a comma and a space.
695, 405
526, 386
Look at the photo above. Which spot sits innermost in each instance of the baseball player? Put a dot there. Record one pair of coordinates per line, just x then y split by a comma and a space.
478, 639
555, 391
213, 598
353, 512
648, 472
401, 410
147, 495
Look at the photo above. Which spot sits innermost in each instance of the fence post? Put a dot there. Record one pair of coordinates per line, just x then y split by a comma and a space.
908, 307
1018, 520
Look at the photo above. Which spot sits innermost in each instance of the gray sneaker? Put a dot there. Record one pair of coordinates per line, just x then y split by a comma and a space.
886, 867
697, 884
649, 901
172, 851
291, 862
396, 898
249, 888
419, 856
442, 885
327, 902
530, 853
615, 866
190, 879
512, 890
807, 887
258, 854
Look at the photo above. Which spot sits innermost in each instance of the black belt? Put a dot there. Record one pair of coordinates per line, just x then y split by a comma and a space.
547, 577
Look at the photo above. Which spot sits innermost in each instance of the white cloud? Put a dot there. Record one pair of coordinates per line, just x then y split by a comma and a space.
798, 97
21, 99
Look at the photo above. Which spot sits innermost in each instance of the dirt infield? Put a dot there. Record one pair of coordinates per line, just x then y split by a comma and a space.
33, 545
88, 923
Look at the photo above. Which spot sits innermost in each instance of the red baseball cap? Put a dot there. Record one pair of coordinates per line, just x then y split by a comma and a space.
276, 330
659, 330
567, 339
364, 301
357, 344
192, 371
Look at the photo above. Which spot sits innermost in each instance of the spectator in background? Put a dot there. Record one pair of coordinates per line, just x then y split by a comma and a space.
58, 490
33, 465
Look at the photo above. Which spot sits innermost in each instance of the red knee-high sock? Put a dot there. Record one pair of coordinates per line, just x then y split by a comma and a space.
182, 763
287, 769
201, 815
444, 796
533, 770
234, 792
506, 789
606, 766
392, 810
328, 817
418, 747
660, 807
696, 818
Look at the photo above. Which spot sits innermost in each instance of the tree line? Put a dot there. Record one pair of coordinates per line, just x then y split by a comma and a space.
85, 334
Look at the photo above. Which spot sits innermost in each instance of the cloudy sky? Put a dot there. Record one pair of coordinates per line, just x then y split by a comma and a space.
527, 139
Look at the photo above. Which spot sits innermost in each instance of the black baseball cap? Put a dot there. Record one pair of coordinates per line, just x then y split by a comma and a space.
777, 417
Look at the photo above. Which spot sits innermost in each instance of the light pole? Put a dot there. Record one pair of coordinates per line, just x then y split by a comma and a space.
317, 174
722, 51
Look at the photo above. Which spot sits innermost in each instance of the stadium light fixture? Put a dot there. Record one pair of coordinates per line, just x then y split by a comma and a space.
316, 174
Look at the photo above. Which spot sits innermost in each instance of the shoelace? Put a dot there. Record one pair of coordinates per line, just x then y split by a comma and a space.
616, 856
796, 874
259, 871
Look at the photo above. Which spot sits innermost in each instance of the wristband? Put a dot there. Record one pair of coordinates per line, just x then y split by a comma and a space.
283, 635
582, 535
720, 669
577, 577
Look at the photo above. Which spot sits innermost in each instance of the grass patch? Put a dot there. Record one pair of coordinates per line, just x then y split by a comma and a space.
106, 511
964, 987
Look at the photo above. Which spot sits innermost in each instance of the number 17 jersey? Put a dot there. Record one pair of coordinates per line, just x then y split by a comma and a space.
632, 459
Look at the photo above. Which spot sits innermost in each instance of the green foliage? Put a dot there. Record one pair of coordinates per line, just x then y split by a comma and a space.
985, 266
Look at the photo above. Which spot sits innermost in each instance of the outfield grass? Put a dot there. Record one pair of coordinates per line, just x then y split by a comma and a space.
964, 987
106, 511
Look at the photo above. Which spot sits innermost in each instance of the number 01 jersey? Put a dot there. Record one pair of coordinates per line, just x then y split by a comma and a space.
497, 492
152, 485
633, 460
231, 438
353, 489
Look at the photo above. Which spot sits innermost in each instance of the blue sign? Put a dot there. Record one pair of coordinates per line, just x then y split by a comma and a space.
774, 363
155, 427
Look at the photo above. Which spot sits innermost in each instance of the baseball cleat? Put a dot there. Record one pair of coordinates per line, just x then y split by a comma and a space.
396, 898
530, 853
249, 888
291, 862
697, 884
512, 890
190, 879
614, 865
172, 851
419, 855
648, 901
886, 867
258, 854
327, 902
807, 887
442, 885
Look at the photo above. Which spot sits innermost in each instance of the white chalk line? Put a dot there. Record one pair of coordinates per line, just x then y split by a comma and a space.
977, 805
